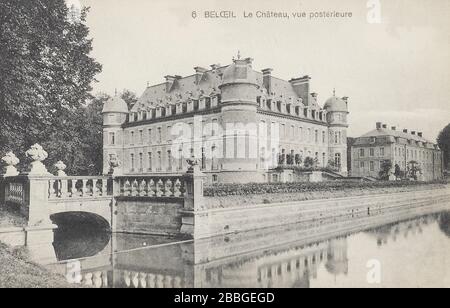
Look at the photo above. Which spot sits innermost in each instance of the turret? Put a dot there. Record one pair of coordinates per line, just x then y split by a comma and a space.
337, 118
114, 113
239, 90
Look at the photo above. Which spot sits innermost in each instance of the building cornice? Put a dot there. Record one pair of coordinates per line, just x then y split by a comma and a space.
290, 117
173, 117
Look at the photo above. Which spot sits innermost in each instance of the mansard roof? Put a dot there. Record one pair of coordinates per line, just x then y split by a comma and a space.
206, 83
394, 133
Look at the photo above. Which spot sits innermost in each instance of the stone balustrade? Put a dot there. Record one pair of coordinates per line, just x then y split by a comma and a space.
152, 186
79, 187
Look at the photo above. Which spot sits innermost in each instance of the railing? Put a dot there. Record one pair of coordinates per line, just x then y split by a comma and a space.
151, 186
15, 193
79, 187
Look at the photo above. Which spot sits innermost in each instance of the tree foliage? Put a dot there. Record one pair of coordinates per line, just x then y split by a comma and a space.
46, 74
444, 144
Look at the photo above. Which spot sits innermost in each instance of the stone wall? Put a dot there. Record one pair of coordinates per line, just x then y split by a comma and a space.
217, 222
149, 215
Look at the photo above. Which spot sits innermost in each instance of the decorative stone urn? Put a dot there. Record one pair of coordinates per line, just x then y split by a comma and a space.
60, 166
11, 161
114, 165
38, 155
193, 164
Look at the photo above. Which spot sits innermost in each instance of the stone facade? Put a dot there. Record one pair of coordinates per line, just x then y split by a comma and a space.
402, 148
238, 122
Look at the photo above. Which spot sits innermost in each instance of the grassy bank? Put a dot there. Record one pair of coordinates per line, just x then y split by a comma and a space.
16, 271
10, 217
231, 195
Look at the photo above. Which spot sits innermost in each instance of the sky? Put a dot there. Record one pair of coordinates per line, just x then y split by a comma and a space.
394, 66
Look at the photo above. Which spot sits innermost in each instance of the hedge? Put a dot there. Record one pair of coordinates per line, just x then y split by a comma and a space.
222, 190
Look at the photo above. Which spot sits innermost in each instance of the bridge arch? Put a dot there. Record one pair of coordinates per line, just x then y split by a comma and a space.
80, 234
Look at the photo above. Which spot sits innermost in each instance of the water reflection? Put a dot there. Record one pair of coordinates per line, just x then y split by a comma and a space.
330, 253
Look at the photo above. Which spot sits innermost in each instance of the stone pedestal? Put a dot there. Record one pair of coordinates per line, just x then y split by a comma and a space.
39, 242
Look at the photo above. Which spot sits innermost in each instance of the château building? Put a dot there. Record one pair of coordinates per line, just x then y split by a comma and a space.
240, 124
404, 149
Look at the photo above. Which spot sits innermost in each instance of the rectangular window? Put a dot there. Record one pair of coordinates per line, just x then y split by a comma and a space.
150, 161
159, 167
150, 136
382, 152
112, 139
169, 160
141, 162
324, 137
214, 127
169, 133
283, 130
292, 132
132, 162
362, 153
361, 165
159, 135
316, 136
372, 152
372, 166
131, 138
141, 136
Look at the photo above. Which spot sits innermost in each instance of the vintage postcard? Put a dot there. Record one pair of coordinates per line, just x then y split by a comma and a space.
224, 150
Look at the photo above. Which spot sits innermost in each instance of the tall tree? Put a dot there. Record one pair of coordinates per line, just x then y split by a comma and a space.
444, 144
46, 74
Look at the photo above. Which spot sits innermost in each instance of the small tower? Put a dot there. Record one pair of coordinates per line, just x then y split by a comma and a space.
337, 118
239, 90
114, 113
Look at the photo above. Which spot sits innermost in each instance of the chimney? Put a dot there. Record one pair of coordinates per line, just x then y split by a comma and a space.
379, 125
394, 128
199, 71
413, 133
301, 88
405, 131
215, 66
345, 99
384, 126
169, 82
420, 134
267, 80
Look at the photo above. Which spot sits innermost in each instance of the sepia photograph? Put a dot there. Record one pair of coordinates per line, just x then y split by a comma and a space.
219, 152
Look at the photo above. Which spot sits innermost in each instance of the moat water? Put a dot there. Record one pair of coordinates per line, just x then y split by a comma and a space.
402, 249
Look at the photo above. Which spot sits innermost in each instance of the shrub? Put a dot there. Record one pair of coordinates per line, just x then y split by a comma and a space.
223, 190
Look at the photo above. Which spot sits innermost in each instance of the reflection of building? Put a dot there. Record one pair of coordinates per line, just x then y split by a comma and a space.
237, 121
401, 148
337, 263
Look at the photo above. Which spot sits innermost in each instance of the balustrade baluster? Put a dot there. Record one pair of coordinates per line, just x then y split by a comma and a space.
151, 188
143, 280
134, 188
168, 188
95, 191
159, 188
127, 188
135, 280
159, 281
127, 278
105, 279
104, 187
64, 191
85, 188
151, 280
168, 282
143, 188
51, 189
177, 282
177, 188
